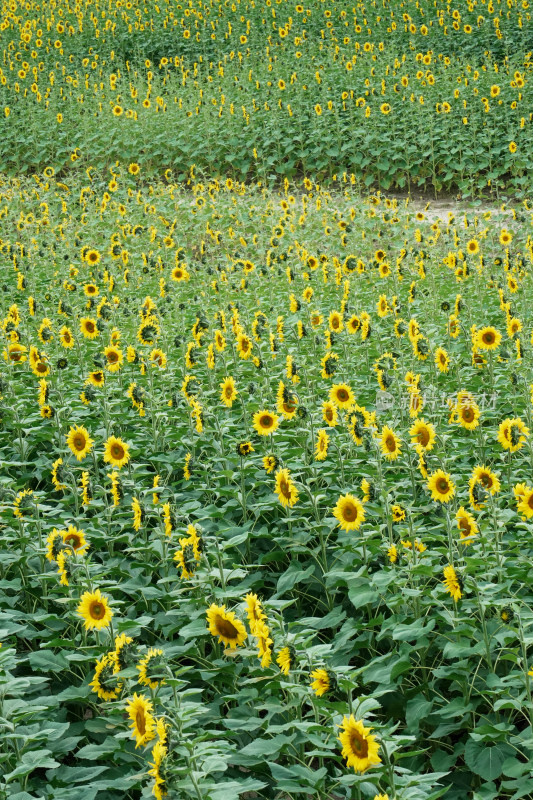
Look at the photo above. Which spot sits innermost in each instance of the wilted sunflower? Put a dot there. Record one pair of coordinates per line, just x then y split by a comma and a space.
79, 441
95, 610
116, 452
441, 486
226, 626
265, 422
359, 746
143, 726
350, 512
285, 489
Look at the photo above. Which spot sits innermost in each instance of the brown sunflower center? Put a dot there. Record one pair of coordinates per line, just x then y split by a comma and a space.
390, 443
464, 525
284, 488
488, 337
117, 451
73, 540
358, 745
89, 327
349, 512
467, 414
228, 391
79, 441
423, 436
530, 500
442, 485
97, 610
112, 357
226, 628
342, 395
266, 421
486, 480
140, 721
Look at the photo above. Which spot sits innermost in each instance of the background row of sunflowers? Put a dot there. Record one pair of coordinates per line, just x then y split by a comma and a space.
266, 492
401, 95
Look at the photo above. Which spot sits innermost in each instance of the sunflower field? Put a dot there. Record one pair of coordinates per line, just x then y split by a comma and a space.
266, 428
408, 95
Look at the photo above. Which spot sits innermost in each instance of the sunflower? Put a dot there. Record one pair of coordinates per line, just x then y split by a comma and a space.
341, 395
488, 480
16, 353
152, 668
467, 525
398, 513
452, 582
114, 358
472, 247
441, 486
512, 434
96, 378
349, 512
92, 256
143, 726
321, 681
244, 449
95, 610
79, 441
270, 463
229, 392
89, 328
423, 434
159, 769
57, 475
85, 483
284, 660
467, 413
66, 338
105, 683
75, 538
322, 442
524, 498
285, 489
264, 642
124, 650
254, 611
488, 338
335, 322
138, 513
265, 422
359, 746
116, 452
244, 345
442, 359
226, 626
158, 358
330, 414
390, 444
